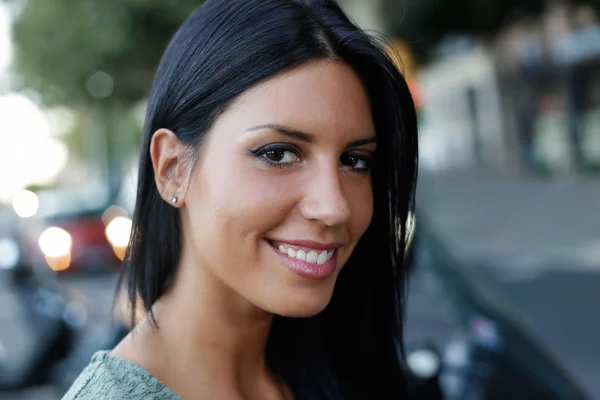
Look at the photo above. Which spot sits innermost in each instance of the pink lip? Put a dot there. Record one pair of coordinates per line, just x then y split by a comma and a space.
306, 269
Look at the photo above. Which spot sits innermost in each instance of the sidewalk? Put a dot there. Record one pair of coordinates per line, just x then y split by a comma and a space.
517, 223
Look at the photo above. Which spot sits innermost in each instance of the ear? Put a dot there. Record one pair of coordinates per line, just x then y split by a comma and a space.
170, 169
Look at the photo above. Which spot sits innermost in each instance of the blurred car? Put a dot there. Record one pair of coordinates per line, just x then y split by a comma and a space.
38, 324
75, 229
463, 341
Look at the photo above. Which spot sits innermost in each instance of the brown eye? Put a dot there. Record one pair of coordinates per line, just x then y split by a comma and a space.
278, 155
281, 156
350, 161
275, 155
356, 162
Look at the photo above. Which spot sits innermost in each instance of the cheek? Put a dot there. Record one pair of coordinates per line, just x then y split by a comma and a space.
360, 199
244, 202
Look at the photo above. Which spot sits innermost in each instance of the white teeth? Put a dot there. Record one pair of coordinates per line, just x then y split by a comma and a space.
312, 256
324, 256
301, 255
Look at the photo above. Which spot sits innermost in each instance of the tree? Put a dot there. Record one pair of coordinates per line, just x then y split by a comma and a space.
98, 58
61, 44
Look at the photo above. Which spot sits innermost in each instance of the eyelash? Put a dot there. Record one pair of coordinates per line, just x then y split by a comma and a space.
261, 153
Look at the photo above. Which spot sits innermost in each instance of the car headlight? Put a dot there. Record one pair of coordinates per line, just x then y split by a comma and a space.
55, 242
9, 253
118, 231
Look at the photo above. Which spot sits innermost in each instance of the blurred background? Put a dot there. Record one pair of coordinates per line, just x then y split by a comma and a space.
508, 218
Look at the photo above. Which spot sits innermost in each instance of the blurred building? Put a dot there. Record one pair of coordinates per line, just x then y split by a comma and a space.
461, 119
550, 74
526, 100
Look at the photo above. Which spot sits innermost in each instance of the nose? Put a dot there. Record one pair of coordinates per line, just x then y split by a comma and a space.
325, 200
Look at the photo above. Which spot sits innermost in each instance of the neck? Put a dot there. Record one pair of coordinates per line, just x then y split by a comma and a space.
205, 324
210, 340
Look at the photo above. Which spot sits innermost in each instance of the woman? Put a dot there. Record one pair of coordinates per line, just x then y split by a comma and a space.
277, 171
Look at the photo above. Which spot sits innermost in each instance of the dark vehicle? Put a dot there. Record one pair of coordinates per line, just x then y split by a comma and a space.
45, 338
70, 231
463, 341
37, 328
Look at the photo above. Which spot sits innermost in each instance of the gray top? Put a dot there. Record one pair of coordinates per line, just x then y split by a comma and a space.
108, 377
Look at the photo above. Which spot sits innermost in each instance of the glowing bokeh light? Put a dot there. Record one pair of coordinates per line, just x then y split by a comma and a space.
28, 149
25, 204
118, 231
55, 242
59, 263
9, 253
111, 213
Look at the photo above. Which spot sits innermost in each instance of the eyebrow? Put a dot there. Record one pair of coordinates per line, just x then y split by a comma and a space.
307, 137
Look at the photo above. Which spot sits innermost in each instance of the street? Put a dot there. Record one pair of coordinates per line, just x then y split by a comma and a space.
561, 307
538, 243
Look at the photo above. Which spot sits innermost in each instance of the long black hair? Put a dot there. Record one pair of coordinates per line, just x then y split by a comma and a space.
353, 349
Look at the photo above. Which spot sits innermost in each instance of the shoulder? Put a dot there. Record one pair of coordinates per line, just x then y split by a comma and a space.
107, 377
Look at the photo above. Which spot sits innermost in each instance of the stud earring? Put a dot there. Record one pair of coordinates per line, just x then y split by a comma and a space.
173, 200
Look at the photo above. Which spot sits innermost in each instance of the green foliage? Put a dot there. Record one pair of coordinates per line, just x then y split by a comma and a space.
60, 44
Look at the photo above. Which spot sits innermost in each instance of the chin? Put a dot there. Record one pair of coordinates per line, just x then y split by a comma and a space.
302, 306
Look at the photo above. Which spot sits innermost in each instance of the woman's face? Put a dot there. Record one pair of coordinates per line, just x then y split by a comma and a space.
282, 190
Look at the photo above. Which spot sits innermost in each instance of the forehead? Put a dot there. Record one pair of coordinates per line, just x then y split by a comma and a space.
317, 97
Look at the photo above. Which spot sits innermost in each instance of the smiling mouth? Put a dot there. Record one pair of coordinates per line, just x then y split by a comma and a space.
308, 262
305, 254
310, 256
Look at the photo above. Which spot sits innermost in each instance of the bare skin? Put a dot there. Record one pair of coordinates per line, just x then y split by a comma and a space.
235, 207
